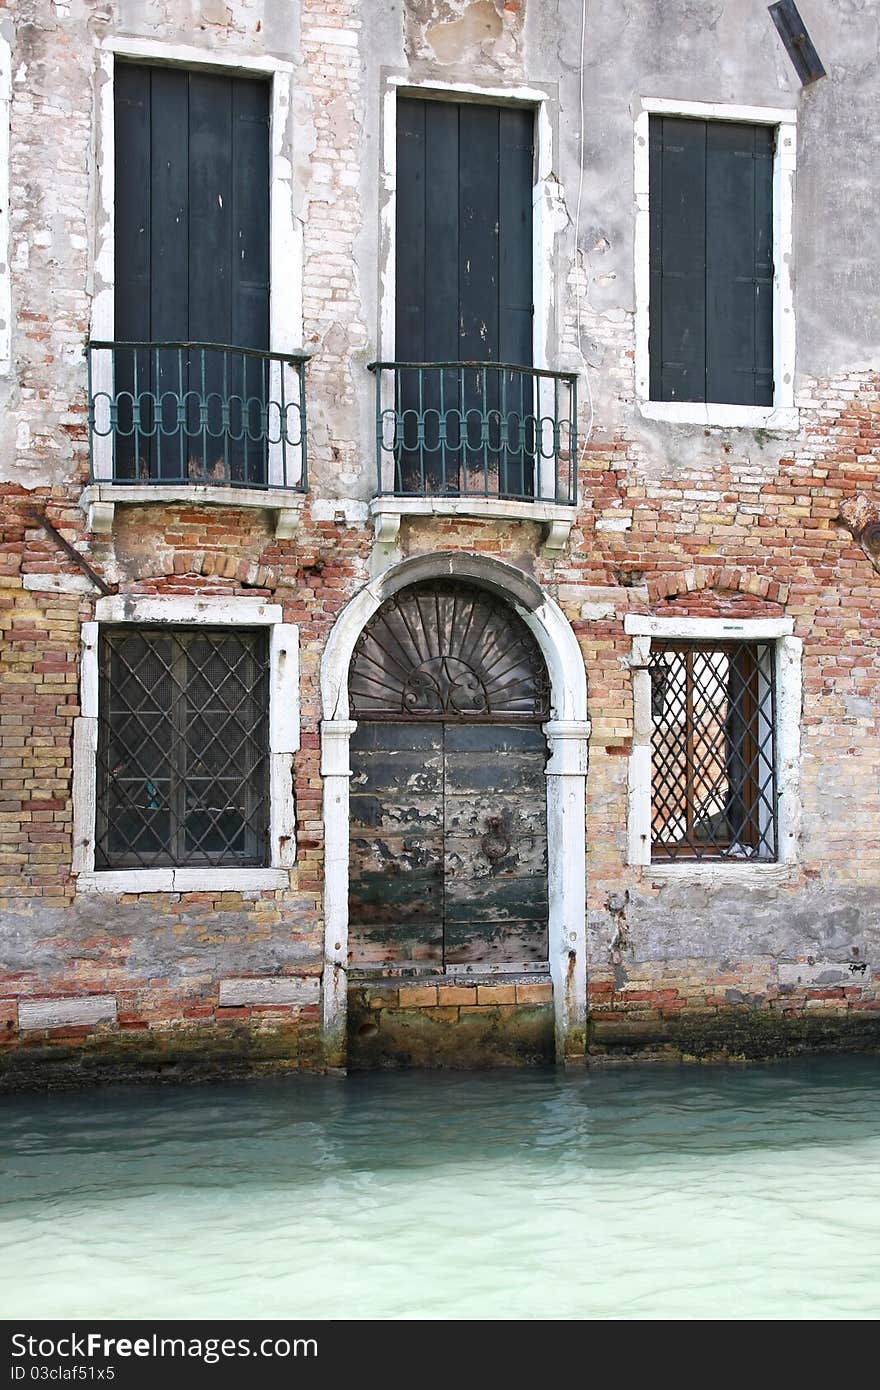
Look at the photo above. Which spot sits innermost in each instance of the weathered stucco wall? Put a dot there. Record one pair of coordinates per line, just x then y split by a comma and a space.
672, 518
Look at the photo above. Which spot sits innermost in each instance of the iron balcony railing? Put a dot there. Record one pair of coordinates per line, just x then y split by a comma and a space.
196, 413
476, 429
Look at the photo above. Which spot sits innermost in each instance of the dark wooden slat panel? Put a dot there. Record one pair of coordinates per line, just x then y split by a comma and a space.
169, 251
250, 213
210, 189
396, 868
404, 737
133, 186
496, 738
397, 772
376, 812
765, 150
170, 229
482, 900
479, 214
466, 857
472, 943
739, 216
496, 873
440, 270
395, 943
469, 815
514, 772
416, 896
411, 270
395, 854
249, 259
678, 259
655, 262
516, 156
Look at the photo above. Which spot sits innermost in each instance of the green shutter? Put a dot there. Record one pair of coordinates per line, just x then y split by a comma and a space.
711, 238
677, 200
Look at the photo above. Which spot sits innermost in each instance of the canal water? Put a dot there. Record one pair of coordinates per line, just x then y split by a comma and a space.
625, 1193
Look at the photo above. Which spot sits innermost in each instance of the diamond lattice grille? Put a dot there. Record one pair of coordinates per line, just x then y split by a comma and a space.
713, 757
182, 748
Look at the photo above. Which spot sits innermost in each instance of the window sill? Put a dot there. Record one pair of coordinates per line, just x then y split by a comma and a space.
740, 872
180, 880
555, 517
99, 501
783, 418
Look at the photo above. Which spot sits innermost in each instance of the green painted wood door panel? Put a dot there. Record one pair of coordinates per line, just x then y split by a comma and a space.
448, 860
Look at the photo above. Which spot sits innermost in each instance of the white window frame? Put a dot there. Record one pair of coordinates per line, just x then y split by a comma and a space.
284, 741
788, 651
547, 223
285, 234
5, 277
782, 414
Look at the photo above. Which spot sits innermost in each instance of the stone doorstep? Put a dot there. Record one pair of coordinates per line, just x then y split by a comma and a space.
457, 993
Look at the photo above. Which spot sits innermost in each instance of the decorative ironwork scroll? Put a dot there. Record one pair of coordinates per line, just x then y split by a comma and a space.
448, 651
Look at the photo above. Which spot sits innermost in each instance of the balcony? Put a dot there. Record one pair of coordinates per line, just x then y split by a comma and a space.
475, 439
173, 422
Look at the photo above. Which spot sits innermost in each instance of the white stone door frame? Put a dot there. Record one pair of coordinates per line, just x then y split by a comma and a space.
567, 732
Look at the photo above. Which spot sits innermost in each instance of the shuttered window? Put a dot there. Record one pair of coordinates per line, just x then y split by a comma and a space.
192, 207
711, 261
192, 266
464, 232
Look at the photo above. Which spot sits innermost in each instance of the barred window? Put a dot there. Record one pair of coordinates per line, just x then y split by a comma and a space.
182, 748
713, 780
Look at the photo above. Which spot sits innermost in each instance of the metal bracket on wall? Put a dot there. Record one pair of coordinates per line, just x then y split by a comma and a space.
798, 44
40, 519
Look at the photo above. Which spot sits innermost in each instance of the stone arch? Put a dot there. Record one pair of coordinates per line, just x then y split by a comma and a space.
722, 577
205, 564
544, 617
567, 733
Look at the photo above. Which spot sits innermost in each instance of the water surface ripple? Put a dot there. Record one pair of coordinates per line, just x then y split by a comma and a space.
632, 1193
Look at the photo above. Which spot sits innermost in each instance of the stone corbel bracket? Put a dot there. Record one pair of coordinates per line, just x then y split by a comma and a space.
861, 517
556, 534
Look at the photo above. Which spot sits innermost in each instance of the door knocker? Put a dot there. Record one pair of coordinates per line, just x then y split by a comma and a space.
496, 841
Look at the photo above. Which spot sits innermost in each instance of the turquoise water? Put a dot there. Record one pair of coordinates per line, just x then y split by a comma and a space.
632, 1193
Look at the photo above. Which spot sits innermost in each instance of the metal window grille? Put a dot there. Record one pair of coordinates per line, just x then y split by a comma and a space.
713, 792
182, 748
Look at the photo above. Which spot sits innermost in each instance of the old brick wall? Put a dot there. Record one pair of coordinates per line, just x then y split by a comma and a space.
683, 520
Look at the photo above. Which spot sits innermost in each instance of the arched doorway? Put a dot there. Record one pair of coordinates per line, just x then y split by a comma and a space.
448, 799
567, 732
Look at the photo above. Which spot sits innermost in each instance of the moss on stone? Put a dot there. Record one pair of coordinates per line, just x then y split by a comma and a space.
465, 1039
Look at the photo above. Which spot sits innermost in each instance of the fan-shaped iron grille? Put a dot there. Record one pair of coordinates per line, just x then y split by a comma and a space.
182, 748
446, 651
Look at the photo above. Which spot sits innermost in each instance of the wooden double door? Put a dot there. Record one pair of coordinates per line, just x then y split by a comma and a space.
448, 846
